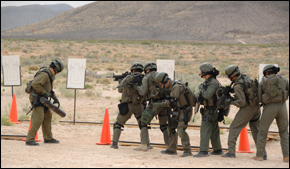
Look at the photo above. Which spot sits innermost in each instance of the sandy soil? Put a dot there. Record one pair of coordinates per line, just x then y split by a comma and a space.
78, 147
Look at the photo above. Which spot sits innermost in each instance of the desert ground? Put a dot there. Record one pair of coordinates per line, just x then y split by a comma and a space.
77, 147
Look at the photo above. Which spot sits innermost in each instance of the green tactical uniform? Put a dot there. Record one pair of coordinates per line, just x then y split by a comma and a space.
41, 115
246, 113
152, 92
131, 97
177, 91
209, 129
273, 93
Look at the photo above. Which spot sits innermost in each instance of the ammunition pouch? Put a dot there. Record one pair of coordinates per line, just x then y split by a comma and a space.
123, 108
147, 116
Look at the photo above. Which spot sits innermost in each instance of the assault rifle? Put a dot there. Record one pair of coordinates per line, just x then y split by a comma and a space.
137, 79
118, 77
225, 94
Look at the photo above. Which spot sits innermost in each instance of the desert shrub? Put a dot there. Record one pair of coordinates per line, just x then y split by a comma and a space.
88, 86
33, 67
106, 81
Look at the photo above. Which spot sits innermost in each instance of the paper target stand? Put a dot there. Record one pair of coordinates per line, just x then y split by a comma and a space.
11, 71
76, 75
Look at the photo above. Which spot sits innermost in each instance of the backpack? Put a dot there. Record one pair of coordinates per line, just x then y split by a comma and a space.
250, 87
188, 94
274, 90
29, 87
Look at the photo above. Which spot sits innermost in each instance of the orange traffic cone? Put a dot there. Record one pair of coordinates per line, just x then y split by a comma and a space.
13, 111
36, 137
106, 134
244, 146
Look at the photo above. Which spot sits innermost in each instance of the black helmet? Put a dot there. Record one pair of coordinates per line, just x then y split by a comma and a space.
57, 65
271, 68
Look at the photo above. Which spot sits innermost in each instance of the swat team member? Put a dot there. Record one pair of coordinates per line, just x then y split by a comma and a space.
209, 129
131, 103
153, 94
273, 93
41, 115
179, 101
246, 98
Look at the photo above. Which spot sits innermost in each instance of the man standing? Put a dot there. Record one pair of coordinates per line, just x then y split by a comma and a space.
179, 102
131, 102
151, 91
246, 98
273, 93
41, 115
209, 129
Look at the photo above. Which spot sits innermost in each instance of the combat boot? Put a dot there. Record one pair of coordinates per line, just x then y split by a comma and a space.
201, 154
149, 146
228, 155
186, 153
168, 152
216, 152
265, 157
142, 147
32, 143
257, 158
286, 159
51, 141
114, 145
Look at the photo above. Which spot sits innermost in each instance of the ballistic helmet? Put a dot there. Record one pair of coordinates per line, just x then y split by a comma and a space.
57, 65
150, 65
271, 68
206, 67
232, 70
137, 66
161, 77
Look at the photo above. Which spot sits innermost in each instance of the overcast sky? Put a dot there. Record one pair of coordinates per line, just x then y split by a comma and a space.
74, 4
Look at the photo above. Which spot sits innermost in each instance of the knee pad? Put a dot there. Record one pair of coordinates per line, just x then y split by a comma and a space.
163, 127
147, 116
142, 125
117, 126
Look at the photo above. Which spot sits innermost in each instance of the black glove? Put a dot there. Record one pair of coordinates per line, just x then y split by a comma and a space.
46, 95
55, 99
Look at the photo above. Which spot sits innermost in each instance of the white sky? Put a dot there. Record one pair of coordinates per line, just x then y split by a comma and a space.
74, 4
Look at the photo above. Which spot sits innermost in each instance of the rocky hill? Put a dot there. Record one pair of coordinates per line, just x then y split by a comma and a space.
14, 16
218, 21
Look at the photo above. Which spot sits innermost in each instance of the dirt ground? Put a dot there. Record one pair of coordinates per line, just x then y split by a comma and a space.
78, 149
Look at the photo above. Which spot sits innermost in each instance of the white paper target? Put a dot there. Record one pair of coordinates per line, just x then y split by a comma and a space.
167, 66
11, 70
76, 73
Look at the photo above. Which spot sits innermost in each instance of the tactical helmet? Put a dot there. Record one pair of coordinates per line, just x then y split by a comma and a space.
150, 65
206, 67
57, 65
137, 66
271, 68
161, 77
232, 70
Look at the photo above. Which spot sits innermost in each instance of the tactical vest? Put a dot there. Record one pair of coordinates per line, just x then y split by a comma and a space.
30, 89
213, 100
250, 88
153, 88
274, 89
187, 97
129, 94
